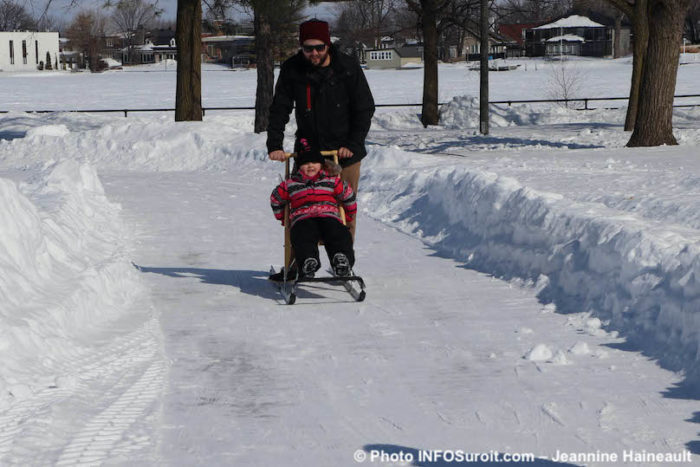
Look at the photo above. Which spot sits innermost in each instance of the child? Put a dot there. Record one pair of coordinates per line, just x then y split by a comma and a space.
314, 193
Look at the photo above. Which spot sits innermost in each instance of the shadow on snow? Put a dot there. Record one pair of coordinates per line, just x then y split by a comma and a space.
694, 446
247, 281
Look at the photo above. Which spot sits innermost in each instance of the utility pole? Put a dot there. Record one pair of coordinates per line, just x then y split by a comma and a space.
484, 70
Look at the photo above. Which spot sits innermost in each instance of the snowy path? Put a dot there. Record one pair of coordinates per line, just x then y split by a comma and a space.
432, 360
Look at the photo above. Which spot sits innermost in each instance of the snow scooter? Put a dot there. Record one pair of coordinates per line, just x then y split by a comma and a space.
288, 286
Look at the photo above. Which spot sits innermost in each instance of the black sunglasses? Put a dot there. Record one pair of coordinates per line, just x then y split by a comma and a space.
310, 48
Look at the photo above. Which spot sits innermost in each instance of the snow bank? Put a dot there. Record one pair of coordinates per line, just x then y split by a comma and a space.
631, 272
64, 274
462, 112
152, 143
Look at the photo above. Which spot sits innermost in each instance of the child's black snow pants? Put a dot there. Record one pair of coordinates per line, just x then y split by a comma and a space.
336, 238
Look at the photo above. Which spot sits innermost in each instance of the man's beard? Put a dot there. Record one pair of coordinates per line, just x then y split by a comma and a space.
321, 59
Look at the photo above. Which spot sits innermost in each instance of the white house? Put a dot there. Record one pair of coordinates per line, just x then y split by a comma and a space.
397, 58
26, 50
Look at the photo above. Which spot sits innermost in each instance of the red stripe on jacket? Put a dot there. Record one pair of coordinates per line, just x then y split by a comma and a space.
318, 197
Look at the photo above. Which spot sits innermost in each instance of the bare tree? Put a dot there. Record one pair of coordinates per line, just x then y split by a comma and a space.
657, 27
373, 15
85, 34
525, 11
14, 17
636, 10
654, 122
429, 11
129, 16
462, 17
49, 23
350, 27
271, 18
275, 24
565, 81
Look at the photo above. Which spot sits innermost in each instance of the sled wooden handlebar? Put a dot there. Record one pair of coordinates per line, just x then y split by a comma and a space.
333, 153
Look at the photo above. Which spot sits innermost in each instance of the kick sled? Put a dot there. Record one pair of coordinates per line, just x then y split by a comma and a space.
288, 285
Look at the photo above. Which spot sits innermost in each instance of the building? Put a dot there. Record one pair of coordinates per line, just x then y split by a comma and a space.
155, 49
68, 58
498, 46
465, 44
514, 34
394, 58
573, 35
235, 51
28, 50
355, 49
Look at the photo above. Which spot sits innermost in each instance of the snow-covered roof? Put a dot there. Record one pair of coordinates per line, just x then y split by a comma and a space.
574, 21
225, 38
112, 63
567, 38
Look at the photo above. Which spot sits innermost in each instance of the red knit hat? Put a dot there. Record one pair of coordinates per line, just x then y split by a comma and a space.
315, 29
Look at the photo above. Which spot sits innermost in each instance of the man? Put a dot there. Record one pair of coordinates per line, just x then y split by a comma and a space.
334, 105
332, 100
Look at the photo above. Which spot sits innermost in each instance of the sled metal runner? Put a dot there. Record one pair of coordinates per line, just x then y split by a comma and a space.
353, 284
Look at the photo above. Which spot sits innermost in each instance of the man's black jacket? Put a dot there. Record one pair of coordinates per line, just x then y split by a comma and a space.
341, 105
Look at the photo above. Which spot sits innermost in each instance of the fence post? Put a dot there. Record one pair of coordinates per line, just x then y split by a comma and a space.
125, 113
585, 104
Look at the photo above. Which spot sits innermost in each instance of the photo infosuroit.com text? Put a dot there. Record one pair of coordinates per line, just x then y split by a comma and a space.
459, 456
456, 456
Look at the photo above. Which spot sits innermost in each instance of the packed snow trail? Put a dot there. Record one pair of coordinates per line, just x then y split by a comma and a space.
438, 357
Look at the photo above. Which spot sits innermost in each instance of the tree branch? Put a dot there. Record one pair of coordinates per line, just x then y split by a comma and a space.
625, 6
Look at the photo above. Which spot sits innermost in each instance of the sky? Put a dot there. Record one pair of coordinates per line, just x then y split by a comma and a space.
63, 11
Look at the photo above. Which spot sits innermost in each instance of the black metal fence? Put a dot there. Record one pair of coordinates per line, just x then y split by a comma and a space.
583, 103
586, 100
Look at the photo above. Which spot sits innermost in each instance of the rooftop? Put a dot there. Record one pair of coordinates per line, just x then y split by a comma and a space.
574, 21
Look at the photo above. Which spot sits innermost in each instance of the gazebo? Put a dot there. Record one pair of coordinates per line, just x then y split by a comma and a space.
573, 35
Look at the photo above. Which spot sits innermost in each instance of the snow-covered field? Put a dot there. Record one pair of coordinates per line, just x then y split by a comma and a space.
152, 85
536, 290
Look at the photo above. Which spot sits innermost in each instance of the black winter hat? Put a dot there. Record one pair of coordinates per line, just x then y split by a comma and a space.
312, 155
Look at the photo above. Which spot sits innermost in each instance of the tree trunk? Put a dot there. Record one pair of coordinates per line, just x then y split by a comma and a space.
484, 70
460, 42
640, 27
654, 124
617, 53
93, 58
266, 72
430, 114
692, 29
188, 93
